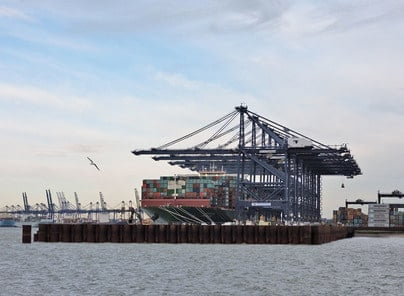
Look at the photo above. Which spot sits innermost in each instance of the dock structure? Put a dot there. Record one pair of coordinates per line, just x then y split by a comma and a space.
200, 234
278, 169
26, 234
190, 233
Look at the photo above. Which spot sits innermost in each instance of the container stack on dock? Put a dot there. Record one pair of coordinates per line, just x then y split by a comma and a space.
350, 217
396, 219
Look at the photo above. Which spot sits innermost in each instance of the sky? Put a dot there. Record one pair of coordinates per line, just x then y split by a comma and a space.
102, 78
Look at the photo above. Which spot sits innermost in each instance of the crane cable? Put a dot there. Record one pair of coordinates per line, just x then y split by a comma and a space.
197, 131
219, 133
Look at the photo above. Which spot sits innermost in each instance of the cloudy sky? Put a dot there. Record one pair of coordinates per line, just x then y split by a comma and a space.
101, 78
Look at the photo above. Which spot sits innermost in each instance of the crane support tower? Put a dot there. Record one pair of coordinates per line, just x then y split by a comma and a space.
278, 169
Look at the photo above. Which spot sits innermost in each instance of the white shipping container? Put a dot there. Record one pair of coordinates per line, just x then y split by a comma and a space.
378, 209
379, 206
378, 224
378, 215
173, 185
379, 220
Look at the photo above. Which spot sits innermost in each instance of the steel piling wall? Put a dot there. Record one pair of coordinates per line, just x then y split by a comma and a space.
191, 233
26, 234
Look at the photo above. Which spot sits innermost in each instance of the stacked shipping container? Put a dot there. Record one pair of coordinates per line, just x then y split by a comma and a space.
218, 189
351, 217
396, 218
380, 215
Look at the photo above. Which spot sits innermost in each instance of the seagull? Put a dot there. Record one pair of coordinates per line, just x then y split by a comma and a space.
93, 163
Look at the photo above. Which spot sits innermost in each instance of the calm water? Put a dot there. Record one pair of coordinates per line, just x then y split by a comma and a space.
358, 266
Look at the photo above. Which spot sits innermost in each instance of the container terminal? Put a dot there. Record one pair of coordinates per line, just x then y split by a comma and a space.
249, 168
69, 212
269, 170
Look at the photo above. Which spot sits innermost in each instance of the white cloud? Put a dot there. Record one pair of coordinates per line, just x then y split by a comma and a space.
34, 35
304, 19
7, 12
37, 96
51, 131
177, 80
332, 70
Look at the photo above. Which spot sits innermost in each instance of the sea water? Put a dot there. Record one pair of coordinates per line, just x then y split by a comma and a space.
357, 266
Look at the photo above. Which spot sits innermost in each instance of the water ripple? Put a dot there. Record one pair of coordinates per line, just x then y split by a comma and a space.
371, 266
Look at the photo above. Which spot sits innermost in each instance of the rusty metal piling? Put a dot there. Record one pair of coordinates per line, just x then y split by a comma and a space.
188, 233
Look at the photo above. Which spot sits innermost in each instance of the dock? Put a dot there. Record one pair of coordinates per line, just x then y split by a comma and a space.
190, 234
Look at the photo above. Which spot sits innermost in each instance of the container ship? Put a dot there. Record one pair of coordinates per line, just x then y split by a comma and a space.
207, 198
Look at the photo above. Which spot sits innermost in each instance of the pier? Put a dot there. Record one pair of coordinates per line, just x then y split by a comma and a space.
191, 234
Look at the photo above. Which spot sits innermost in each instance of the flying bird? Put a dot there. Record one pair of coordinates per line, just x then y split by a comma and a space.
93, 163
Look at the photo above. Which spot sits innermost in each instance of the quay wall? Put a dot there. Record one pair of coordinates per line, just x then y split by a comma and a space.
191, 233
